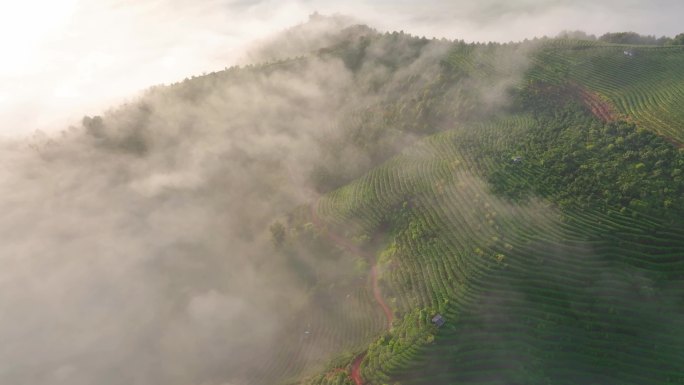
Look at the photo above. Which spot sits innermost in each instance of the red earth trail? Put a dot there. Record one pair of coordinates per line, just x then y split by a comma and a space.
605, 111
339, 240
599, 107
356, 369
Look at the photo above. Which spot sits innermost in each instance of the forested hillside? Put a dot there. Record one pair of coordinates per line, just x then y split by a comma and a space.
312, 212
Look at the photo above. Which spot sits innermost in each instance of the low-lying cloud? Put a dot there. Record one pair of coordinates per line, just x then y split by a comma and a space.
63, 59
135, 247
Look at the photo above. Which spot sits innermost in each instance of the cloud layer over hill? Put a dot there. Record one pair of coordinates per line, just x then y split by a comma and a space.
75, 57
135, 248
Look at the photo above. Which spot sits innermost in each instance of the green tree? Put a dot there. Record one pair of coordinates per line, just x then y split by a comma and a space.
277, 234
628, 38
94, 126
678, 40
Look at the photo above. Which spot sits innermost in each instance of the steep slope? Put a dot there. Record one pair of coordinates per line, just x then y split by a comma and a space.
194, 175
551, 241
460, 228
532, 292
642, 83
264, 224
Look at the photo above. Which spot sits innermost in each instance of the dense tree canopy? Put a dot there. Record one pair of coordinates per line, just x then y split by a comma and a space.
678, 40
633, 38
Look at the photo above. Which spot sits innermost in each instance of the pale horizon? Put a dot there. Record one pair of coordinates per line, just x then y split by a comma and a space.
76, 58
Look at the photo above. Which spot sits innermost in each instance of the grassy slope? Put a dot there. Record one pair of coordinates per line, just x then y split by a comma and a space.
570, 287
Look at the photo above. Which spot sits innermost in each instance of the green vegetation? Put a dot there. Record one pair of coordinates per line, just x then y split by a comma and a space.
573, 159
633, 38
678, 40
550, 236
532, 292
643, 84
532, 193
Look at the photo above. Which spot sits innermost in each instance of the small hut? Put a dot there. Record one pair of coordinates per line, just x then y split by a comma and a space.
438, 320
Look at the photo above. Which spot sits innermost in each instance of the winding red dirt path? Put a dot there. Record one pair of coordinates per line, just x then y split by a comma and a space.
599, 107
355, 370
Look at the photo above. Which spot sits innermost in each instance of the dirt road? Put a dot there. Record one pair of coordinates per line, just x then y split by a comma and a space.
355, 372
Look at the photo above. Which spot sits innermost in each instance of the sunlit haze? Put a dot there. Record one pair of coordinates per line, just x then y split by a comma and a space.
66, 58
264, 192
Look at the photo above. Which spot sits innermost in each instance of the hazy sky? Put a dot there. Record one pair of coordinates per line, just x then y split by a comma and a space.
66, 58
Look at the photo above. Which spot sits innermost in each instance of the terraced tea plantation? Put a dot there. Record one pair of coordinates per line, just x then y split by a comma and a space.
532, 292
644, 84
539, 209
551, 242
357, 207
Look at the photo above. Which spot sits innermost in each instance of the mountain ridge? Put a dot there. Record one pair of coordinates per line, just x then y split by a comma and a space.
531, 193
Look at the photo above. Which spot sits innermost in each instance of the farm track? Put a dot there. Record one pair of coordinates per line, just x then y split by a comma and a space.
600, 108
355, 370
